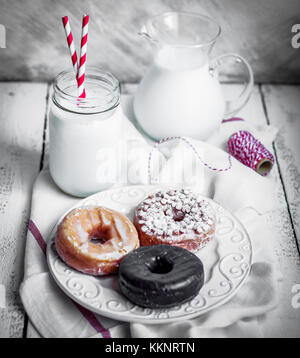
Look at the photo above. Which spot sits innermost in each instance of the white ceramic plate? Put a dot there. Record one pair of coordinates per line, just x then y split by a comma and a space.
226, 260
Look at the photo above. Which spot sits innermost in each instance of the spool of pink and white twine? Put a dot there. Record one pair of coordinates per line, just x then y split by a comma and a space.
241, 145
251, 152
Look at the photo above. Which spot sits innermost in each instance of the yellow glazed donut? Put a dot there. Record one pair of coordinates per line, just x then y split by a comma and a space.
94, 240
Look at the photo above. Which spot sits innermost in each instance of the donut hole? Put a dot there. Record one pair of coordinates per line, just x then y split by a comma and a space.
160, 265
99, 236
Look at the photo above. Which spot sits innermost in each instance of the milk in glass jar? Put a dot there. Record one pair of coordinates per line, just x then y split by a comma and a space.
84, 132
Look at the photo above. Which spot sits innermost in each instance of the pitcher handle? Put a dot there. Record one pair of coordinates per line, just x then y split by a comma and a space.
233, 106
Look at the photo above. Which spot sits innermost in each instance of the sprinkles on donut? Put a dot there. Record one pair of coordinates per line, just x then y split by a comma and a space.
175, 217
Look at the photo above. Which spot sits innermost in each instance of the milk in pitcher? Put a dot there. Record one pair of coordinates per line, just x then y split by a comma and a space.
178, 95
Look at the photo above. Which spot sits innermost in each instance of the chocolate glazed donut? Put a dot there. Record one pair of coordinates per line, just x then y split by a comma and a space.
160, 276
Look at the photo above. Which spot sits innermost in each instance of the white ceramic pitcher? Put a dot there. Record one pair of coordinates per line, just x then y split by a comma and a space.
180, 93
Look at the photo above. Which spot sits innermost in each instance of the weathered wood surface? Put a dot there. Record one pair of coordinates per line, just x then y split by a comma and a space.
284, 321
22, 113
282, 108
283, 111
36, 48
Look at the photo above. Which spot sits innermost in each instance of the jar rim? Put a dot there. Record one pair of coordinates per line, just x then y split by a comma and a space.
101, 103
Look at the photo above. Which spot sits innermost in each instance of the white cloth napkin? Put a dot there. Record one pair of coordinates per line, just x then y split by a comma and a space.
240, 189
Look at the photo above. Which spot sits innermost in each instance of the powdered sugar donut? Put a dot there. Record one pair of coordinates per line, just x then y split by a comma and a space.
175, 217
94, 240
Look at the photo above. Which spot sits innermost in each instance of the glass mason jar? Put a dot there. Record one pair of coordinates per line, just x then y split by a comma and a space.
82, 129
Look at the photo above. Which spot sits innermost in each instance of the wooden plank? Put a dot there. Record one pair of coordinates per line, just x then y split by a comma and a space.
284, 321
22, 112
283, 110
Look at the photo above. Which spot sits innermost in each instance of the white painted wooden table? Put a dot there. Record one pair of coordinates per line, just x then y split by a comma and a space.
23, 137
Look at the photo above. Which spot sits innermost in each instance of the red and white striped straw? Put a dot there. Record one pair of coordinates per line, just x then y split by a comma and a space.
71, 45
82, 61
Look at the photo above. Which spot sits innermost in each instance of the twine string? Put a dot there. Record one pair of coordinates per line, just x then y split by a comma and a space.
242, 145
192, 147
